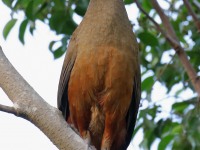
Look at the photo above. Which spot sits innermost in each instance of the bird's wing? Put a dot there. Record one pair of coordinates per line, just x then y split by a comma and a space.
62, 97
134, 106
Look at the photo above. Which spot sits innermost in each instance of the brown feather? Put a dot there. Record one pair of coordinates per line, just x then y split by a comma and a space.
100, 78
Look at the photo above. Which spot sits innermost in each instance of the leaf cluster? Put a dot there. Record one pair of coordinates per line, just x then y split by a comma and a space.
57, 14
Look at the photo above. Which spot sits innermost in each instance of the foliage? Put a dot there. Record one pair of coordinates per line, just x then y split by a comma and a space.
179, 130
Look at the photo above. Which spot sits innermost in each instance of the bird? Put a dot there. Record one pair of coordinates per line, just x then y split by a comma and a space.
100, 84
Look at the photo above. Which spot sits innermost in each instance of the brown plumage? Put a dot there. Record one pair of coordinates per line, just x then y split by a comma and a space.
99, 89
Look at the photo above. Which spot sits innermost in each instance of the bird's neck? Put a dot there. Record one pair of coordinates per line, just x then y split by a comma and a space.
105, 23
106, 9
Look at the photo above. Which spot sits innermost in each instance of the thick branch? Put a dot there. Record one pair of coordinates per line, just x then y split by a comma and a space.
171, 37
29, 105
149, 17
191, 12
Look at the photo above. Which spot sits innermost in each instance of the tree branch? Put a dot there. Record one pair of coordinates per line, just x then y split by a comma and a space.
197, 4
172, 38
179, 49
149, 17
158, 27
8, 109
29, 105
191, 12
165, 20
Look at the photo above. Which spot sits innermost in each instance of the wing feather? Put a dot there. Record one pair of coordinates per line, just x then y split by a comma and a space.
62, 98
133, 109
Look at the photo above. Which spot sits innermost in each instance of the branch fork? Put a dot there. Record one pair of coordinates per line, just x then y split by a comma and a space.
29, 105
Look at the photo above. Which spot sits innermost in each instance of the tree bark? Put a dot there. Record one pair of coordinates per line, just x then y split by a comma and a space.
30, 106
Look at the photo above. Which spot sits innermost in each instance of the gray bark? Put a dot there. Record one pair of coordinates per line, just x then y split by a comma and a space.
30, 106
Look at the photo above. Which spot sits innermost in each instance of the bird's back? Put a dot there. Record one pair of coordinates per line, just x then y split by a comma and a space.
101, 82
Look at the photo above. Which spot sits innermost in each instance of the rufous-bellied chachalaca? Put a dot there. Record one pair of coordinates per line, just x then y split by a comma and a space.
99, 88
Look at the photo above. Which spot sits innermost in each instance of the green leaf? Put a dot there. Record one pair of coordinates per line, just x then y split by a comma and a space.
32, 27
81, 7
62, 22
58, 52
8, 27
146, 5
59, 4
147, 84
20, 5
8, 2
148, 39
160, 126
51, 46
128, 1
165, 141
177, 129
22, 30
180, 107
29, 10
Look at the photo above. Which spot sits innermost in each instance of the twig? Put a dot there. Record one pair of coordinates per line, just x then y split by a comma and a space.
165, 20
8, 109
197, 4
166, 35
191, 12
178, 48
149, 17
12, 110
173, 40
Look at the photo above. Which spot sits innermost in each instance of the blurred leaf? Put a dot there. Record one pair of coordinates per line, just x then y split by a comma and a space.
159, 128
8, 27
32, 27
58, 52
62, 22
81, 7
146, 5
148, 38
165, 141
29, 10
169, 75
22, 30
128, 1
8, 2
176, 130
147, 84
180, 107
167, 127
51, 45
